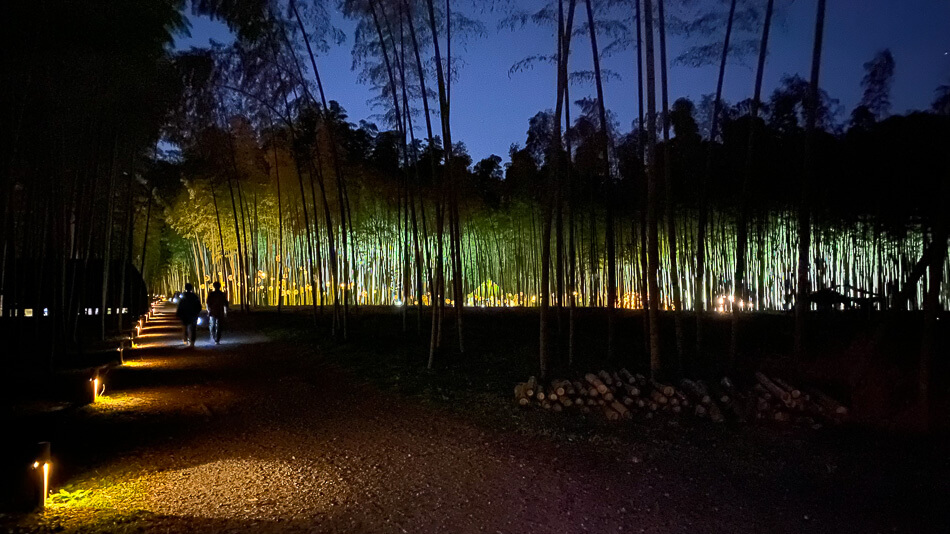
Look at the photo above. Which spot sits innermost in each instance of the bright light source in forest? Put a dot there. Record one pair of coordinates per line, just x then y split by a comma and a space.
45, 312
43, 465
398, 303
96, 392
28, 312
45, 474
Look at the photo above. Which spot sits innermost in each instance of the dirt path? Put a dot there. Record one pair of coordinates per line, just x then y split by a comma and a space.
262, 435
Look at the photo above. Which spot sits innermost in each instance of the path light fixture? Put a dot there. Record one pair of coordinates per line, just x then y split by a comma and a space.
41, 468
98, 387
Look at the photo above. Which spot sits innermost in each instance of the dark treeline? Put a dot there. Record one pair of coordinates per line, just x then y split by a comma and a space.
772, 203
86, 90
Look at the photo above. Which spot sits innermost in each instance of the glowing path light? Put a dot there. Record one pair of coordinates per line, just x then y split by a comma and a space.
97, 391
43, 465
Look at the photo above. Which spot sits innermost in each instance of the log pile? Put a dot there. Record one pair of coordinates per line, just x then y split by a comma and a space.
620, 395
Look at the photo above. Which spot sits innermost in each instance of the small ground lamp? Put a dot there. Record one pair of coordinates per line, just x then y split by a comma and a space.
41, 468
98, 387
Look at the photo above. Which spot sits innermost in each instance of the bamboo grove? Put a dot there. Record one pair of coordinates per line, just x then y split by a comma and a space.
718, 207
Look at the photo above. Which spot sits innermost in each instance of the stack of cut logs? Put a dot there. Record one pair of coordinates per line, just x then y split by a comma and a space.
619, 395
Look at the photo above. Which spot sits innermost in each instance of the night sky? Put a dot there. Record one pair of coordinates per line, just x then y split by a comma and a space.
491, 110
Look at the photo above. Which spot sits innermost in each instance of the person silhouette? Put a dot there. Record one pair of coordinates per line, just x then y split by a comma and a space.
189, 307
217, 310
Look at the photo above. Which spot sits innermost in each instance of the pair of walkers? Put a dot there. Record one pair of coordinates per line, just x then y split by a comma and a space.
189, 308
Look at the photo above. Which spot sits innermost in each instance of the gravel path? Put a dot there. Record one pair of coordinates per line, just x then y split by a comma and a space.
261, 435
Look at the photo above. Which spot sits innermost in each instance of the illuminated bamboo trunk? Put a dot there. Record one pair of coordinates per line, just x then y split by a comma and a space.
501, 261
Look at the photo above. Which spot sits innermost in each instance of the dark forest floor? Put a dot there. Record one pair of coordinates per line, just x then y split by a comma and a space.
280, 429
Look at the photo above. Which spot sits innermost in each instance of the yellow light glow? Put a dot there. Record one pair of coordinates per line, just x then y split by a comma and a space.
95, 389
45, 482
46, 468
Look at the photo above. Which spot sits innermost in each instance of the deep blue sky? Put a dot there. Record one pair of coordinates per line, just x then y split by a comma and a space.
490, 110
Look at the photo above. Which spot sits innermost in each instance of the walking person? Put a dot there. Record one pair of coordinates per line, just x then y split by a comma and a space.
217, 311
189, 307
